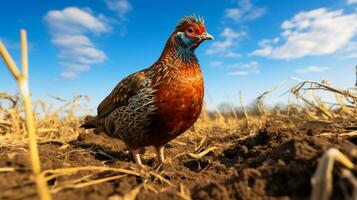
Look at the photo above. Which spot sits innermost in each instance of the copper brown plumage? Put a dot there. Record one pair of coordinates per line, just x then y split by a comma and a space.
155, 105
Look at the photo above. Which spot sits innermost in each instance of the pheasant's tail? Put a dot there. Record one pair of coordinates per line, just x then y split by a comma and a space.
90, 122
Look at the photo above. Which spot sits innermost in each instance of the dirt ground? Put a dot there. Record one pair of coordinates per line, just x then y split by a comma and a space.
273, 163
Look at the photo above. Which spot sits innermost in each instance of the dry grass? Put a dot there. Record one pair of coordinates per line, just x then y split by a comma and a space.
23, 83
61, 124
53, 123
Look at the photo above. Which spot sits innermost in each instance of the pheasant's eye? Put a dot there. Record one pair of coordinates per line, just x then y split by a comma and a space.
190, 30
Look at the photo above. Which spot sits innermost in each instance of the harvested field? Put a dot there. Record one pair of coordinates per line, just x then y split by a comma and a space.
274, 162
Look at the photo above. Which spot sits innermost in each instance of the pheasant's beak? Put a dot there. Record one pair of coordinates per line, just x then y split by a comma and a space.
200, 38
206, 36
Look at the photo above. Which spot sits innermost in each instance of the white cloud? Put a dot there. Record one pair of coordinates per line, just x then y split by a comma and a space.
265, 51
68, 74
266, 42
230, 34
250, 65
216, 63
224, 47
74, 69
352, 46
75, 20
245, 11
69, 29
83, 54
351, 1
241, 68
243, 72
231, 55
316, 32
266, 47
121, 7
350, 56
244, 69
76, 40
233, 13
312, 69
350, 51
219, 46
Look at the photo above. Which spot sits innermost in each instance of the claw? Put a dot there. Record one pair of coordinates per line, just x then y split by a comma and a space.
161, 157
160, 153
136, 156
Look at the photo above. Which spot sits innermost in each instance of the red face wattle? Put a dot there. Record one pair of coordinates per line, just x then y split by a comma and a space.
194, 30
193, 34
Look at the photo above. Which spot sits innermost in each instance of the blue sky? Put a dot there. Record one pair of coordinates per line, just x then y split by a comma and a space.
87, 46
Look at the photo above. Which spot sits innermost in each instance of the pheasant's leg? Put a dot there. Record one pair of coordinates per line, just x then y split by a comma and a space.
136, 157
160, 153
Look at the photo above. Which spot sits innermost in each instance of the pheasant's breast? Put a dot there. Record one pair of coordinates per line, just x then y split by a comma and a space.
179, 101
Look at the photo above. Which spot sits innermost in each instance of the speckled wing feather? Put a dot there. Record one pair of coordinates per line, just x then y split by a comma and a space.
121, 94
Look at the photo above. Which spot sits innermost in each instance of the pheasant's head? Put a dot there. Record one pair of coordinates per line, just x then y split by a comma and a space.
191, 32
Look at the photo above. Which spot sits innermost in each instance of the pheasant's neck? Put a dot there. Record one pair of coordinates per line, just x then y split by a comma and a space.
176, 64
186, 54
176, 52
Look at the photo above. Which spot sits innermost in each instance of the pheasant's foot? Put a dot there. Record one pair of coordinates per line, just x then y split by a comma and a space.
160, 153
161, 157
136, 156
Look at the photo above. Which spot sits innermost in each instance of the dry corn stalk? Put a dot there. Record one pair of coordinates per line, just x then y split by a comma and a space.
349, 96
184, 192
321, 181
349, 176
22, 80
244, 109
130, 195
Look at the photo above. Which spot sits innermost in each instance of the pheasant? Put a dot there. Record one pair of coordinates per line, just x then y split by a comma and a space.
155, 105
